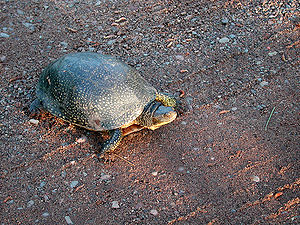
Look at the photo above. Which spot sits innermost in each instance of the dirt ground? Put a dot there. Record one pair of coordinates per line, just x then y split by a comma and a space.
232, 158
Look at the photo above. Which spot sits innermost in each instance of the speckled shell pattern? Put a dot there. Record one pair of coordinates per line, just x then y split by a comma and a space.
95, 91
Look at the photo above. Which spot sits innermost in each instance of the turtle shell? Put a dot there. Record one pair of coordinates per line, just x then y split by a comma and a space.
95, 91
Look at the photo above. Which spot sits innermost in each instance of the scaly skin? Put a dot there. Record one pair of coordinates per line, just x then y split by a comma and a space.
166, 100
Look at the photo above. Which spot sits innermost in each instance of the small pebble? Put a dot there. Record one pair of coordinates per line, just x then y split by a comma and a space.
4, 35
234, 108
224, 21
64, 44
74, 183
33, 121
183, 123
272, 53
253, 91
261, 107
111, 42
105, 177
255, 178
154, 173
63, 173
68, 220
181, 168
2, 58
30, 26
46, 197
45, 214
20, 12
30, 203
179, 57
81, 139
42, 184
154, 212
115, 205
263, 83
224, 40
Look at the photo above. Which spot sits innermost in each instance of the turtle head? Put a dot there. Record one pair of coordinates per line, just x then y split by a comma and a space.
156, 115
162, 115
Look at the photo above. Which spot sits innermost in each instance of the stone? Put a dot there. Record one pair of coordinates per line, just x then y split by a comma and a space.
154, 212
154, 173
115, 205
68, 220
272, 53
74, 183
4, 35
30, 203
255, 178
263, 83
45, 214
33, 121
224, 21
224, 40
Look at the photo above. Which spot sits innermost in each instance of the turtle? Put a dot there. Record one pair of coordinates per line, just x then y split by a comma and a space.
101, 93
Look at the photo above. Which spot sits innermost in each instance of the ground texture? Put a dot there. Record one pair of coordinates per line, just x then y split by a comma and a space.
232, 158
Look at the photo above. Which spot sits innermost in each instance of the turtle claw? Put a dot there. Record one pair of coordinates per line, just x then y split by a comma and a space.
180, 107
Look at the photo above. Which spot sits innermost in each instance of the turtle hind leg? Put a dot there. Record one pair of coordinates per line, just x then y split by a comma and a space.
112, 143
35, 107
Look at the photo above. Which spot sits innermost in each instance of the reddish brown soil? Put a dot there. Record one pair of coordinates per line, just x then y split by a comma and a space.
218, 163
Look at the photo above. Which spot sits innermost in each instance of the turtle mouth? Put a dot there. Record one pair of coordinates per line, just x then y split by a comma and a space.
172, 116
163, 119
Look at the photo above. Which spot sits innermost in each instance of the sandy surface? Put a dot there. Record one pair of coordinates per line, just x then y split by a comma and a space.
235, 61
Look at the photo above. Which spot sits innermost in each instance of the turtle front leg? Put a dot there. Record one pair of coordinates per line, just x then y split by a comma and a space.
35, 107
112, 143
